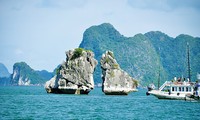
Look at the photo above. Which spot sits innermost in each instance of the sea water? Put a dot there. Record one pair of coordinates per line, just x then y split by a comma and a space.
34, 103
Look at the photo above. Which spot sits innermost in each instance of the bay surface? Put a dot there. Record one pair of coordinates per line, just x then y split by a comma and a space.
34, 103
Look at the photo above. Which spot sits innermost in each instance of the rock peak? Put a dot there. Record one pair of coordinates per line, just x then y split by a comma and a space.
75, 76
115, 80
105, 29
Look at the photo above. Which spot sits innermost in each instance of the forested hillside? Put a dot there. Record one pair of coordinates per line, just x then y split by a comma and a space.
143, 55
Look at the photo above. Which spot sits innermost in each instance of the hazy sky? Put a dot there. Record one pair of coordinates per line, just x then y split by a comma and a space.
40, 31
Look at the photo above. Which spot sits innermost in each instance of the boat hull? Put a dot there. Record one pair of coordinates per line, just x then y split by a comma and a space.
171, 97
166, 95
192, 98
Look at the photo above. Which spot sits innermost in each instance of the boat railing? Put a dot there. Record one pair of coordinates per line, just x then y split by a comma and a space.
166, 82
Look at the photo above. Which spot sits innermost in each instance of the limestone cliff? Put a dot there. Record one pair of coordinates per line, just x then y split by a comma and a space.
19, 76
75, 76
115, 80
23, 74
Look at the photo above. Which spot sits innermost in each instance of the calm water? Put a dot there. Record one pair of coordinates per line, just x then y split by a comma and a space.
35, 103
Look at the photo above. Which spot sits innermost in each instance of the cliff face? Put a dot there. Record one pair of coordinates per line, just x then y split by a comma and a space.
115, 80
23, 74
19, 77
75, 76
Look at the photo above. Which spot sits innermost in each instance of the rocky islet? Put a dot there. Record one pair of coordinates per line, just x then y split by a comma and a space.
75, 76
115, 80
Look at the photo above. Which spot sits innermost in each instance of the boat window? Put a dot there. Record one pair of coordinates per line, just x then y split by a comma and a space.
166, 88
189, 89
179, 88
172, 88
183, 89
186, 89
175, 88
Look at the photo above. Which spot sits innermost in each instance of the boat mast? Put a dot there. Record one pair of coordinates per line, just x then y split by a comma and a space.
159, 71
159, 78
188, 62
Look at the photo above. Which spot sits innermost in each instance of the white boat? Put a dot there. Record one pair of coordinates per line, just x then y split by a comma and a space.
176, 90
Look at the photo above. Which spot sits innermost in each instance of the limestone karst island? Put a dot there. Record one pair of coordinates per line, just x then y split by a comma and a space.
115, 80
75, 76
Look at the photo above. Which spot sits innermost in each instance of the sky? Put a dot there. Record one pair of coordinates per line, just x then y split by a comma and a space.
39, 32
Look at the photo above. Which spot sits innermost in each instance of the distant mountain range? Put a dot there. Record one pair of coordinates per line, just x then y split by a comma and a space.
23, 74
144, 55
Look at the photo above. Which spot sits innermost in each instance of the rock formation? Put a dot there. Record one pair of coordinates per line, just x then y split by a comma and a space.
75, 76
23, 74
19, 77
115, 80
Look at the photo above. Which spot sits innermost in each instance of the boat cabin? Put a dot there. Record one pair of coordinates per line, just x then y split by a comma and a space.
177, 87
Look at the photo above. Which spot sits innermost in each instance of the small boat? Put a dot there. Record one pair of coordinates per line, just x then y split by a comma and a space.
175, 90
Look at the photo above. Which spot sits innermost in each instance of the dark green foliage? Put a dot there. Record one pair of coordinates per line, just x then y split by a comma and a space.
111, 54
57, 71
142, 55
77, 53
107, 60
136, 83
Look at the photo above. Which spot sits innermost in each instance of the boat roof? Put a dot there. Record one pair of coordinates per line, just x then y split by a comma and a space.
176, 83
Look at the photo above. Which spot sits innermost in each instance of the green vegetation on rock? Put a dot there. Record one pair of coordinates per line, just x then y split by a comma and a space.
77, 53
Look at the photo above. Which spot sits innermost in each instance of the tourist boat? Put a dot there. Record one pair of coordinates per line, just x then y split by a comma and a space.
176, 89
